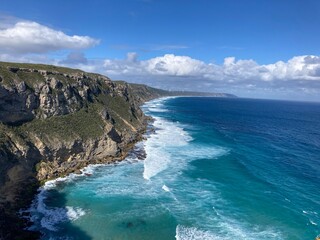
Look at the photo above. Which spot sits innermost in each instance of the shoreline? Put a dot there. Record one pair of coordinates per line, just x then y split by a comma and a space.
23, 215
16, 224
118, 179
79, 170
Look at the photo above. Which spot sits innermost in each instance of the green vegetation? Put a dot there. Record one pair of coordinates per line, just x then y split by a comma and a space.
40, 67
119, 99
3, 137
30, 78
6, 75
119, 109
9, 77
83, 124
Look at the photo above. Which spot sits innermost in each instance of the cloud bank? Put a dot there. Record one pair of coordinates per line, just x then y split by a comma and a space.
299, 74
31, 37
232, 70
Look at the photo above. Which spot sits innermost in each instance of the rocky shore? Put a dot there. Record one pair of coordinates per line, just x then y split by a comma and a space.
55, 121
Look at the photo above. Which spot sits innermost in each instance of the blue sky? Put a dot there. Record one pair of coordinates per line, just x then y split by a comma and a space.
257, 48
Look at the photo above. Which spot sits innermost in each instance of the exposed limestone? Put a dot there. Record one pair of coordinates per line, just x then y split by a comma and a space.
54, 122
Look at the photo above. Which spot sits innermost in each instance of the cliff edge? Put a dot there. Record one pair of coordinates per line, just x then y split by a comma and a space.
54, 121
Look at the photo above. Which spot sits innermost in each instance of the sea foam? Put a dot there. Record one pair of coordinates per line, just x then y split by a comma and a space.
192, 233
168, 136
165, 188
50, 217
229, 233
171, 143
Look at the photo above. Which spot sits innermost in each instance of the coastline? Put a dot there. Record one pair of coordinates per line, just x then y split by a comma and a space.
55, 121
87, 170
73, 119
22, 221
116, 183
79, 170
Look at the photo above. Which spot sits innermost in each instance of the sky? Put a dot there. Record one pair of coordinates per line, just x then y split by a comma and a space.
251, 48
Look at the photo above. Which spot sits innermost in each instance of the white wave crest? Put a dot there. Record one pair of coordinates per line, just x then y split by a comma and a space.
165, 188
49, 217
169, 142
53, 216
74, 213
192, 233
313, 223
168, 136
86, 171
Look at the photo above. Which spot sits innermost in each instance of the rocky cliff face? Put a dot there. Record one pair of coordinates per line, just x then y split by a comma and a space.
54, 121
28, 93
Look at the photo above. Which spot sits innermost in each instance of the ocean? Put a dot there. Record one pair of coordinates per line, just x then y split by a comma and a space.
215, 168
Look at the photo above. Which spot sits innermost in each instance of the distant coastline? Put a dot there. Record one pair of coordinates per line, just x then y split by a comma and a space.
55, 121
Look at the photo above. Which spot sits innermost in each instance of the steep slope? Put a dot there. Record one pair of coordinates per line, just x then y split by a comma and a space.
54, 121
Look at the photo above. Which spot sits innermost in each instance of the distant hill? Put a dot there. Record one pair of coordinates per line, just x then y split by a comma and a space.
200, 94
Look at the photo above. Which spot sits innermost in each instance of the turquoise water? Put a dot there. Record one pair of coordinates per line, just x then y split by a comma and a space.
215, 169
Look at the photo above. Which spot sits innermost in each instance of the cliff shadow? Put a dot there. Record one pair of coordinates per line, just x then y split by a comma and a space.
57, 219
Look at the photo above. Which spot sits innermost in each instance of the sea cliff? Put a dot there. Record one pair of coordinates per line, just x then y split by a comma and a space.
54, 121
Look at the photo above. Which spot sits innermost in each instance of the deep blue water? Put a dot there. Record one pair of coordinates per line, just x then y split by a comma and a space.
216, 168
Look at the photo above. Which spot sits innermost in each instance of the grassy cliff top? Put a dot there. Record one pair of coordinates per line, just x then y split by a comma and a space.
39, 66
31, 74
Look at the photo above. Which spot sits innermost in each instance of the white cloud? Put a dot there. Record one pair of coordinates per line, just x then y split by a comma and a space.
167, 65
31, 37
297, 68
299, 75
172, 65
132, 57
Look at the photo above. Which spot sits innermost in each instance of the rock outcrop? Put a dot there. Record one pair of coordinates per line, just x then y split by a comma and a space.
54, 93
54, 121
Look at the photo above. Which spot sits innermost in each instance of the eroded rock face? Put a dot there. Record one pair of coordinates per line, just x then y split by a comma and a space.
56, 94
62, 157
28, 156
17, 104
32, 94
60, 94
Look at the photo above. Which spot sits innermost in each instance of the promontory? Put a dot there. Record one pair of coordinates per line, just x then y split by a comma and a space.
55, 121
